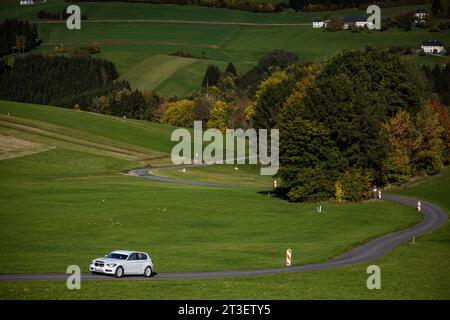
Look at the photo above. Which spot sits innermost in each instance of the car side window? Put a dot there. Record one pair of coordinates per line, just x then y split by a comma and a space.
142, 256
133, 256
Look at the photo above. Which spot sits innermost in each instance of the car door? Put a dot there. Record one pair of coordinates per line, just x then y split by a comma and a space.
143, 262
132, 264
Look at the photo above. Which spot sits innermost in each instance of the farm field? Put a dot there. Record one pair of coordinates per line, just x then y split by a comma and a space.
67, 194
70, 185
136, 11
142, 51
65, 206
136, 49
228, 175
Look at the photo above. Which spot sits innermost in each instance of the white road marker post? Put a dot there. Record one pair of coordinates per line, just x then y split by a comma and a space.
275, 183
419, 206
288, 257
184, 170
379, 194
319, 209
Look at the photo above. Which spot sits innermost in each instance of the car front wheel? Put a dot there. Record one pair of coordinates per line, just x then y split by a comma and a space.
119, 272
148, 272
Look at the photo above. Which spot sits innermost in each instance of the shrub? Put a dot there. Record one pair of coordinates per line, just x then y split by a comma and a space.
179, 113
339, 194
313, 184
221, 116
356, 184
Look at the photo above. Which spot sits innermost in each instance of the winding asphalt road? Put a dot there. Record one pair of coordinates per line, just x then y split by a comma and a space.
433, 218
148, 173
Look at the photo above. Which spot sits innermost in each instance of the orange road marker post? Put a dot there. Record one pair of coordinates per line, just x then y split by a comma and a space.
288, 257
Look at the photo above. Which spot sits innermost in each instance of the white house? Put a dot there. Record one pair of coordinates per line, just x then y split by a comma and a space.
359, 22
433, 46
319, 24
420, 15
27, 2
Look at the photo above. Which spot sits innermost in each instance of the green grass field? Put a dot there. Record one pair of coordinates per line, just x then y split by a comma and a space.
228, 175
65, 198
141, 50
136, 11
70, 184
70, 204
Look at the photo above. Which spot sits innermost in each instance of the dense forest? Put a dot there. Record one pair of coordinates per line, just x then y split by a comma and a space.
49, 79
81, 83
276, 6
17, 36
322, 5
244, 5
364, 117
439, 80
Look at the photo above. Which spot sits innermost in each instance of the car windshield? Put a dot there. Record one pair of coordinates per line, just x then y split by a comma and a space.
119, 256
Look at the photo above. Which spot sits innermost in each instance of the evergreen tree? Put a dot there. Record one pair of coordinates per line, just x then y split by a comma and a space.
231, 69
211, 77
436, 8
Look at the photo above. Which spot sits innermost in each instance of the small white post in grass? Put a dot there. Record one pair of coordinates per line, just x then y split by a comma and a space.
184, 170
379, 194
268, 194
419, 206
103, 200
319, 209
414, 240
236, 168
275, 183
288, 257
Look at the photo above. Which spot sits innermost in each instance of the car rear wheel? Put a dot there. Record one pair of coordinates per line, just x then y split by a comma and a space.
119, 272
148, 272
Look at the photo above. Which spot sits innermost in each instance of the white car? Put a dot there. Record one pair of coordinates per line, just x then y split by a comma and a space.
123, 262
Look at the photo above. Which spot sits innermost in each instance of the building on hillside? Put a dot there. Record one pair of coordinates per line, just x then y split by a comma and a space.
319, 23
359, 22
433, 47
27, 2
420, 16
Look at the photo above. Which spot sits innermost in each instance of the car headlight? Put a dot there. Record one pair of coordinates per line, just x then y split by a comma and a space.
111, 265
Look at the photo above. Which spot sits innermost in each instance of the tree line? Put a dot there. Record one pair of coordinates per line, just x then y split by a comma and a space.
82, 83
17, 36
243, 5
58, 15
330, 5
275, 6
363, 118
